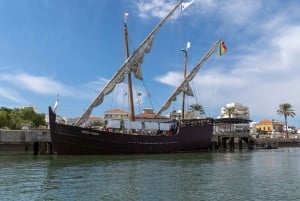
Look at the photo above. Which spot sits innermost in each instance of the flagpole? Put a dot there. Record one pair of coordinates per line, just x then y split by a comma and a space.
184, 76
129, 82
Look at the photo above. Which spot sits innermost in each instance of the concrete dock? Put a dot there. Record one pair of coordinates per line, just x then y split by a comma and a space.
37, 141
233, 140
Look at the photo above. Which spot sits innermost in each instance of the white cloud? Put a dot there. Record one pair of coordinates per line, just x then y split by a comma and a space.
171, 78
288, 43
160, 8
98, 84
154, 8
37, 84
239, 11
11, 95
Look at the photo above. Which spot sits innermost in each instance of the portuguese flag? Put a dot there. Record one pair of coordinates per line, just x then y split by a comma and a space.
222, 48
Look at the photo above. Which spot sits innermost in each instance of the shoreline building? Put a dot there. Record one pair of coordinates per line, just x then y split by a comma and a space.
267, 126
241, 111
237, 121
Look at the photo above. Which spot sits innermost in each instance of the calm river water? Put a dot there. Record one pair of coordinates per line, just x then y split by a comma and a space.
240, 175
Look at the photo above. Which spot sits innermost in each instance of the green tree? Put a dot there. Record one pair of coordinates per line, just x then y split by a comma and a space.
4, 119
286, 109
230, 111
31, 117
39, 120
196, 108
15, 118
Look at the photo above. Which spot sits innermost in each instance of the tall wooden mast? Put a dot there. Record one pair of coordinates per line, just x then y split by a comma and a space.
130, 95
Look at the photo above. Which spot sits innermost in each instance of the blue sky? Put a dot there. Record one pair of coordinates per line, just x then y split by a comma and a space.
72, 47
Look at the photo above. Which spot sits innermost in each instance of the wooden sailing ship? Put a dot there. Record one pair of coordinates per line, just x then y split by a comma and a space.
167, 136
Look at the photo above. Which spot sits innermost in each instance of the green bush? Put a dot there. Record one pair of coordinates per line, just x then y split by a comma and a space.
15, 118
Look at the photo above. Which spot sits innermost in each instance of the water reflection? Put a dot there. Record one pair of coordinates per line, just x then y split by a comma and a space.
251, 175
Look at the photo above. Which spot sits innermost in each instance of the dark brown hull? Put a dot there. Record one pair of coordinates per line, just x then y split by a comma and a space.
69, 139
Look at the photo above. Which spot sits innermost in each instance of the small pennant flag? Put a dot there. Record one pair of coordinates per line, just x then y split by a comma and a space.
125, 16
222, 48
186, 4
188, 45
55, 104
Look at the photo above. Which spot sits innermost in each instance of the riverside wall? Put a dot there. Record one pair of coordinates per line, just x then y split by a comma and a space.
233, 140
37, 141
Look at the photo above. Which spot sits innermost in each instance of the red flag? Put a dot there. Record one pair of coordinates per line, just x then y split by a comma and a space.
222, 49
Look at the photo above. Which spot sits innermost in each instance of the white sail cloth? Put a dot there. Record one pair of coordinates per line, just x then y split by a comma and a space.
132, 124
149, 126
114, 124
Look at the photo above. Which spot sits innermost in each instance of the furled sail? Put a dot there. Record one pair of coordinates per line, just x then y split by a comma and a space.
184, 86
132, 64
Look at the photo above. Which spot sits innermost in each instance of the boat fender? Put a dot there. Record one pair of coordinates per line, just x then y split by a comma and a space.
169, 133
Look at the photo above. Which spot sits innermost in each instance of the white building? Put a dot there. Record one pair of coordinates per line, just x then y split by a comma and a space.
241, 111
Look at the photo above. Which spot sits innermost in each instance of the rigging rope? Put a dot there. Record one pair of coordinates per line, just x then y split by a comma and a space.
148, 94
214, 98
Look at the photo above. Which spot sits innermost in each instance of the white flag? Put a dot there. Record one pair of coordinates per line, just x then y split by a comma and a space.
125, 17
186, 4
55, 105
188, 45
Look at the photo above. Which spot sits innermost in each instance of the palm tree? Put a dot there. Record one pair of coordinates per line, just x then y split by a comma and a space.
197, 108
230, 111
286, 110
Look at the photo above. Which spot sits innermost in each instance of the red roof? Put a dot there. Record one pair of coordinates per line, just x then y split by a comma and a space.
149, 116
96, 119
116, 111
266, 121
144, 115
